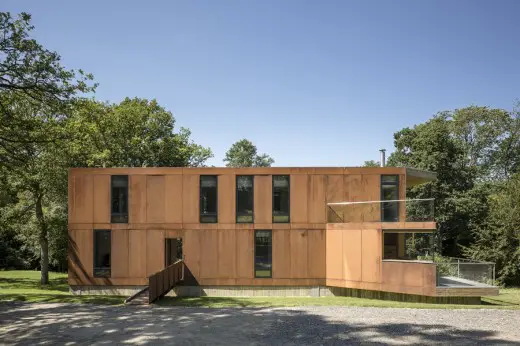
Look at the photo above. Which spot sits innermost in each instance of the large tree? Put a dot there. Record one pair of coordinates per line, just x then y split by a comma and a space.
134, 133
245, 154
466, 147
33, 75
36, 93
498, 238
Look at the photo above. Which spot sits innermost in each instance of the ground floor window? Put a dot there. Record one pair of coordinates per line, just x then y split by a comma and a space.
102, 250
408, 246
263, 254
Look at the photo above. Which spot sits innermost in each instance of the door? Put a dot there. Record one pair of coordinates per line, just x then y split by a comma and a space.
173, 250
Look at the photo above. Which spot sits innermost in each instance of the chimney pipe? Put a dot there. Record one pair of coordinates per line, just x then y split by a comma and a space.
383, 160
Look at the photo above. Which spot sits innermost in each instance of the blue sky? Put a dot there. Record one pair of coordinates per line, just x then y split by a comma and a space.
312, 83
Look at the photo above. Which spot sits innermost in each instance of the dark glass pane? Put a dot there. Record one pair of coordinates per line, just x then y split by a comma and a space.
119, 201
102, 246
390, 179
281, 198
408, 246
263, 254
390, 192
244, 198
208, 198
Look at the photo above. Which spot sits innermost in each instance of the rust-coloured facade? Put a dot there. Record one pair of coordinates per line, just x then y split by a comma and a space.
163, 203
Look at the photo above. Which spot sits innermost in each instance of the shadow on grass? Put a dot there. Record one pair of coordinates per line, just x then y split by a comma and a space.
59, 284
60, 298
37, 323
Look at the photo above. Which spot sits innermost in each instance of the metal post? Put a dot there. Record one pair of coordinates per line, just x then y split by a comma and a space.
382, 160
458, 268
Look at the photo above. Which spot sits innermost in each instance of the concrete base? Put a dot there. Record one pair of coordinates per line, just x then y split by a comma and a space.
105, 290
273, 291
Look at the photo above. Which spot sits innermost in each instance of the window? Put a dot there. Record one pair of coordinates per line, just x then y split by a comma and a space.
245, 199
208, 199
263, 254
408, 246
102, 246
119, 199
281, 198
389, 192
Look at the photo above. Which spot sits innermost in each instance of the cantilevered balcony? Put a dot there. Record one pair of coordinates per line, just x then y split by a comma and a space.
409, 213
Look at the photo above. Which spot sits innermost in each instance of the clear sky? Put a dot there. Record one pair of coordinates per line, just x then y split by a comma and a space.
312, 83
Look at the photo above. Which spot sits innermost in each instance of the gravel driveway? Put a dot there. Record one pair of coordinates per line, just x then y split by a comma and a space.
91, 324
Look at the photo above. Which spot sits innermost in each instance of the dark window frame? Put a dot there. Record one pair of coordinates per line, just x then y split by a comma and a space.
272, 192
200, 199
237, 213
127, 199
94, 271
396, 184
254, 254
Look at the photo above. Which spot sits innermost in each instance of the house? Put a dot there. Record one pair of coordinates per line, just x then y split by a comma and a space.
260, 231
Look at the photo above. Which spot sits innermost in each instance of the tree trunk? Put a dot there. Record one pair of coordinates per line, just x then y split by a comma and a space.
44, 242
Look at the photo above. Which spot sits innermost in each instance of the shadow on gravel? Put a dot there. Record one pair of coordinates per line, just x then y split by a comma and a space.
34, 324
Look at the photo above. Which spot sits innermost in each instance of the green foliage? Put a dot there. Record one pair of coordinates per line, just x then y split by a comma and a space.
47, 126
244, 154
473, 151
498, 237
133, 133
371, 163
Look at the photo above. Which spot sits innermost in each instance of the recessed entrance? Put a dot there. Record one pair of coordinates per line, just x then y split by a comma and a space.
173, 250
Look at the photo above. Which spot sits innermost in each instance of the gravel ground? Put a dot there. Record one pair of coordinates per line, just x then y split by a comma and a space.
91, 324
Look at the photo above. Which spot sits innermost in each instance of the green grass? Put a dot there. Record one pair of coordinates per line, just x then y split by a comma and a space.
25, 286
508, 299
22, 285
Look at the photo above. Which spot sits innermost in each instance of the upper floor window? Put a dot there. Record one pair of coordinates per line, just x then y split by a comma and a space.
119, 193
245, 199
390, 192
102, 250
281, 198
208, 199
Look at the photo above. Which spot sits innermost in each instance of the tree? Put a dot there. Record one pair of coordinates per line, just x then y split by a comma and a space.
35, 95
371, 163
466, 147
134, 133
33, 74
498, 238
244, 154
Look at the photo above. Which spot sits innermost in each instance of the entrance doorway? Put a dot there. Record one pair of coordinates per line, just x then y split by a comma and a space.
173, 250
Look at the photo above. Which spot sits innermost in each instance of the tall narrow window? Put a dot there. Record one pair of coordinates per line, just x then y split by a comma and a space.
119, 199
102, 246
389, 192
245, 199
281, 198
263, 254
208, 199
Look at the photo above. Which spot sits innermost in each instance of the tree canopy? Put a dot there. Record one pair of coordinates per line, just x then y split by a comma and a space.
47, 124
473, 151
245, 154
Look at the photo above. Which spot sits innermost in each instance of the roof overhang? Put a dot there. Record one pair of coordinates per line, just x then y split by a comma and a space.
417, 176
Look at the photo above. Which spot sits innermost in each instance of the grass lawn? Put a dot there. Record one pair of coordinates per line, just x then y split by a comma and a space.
24, 285
509, 298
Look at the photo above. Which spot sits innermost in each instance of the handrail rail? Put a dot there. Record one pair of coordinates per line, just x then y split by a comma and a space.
162, 281
385, 201
136, 294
